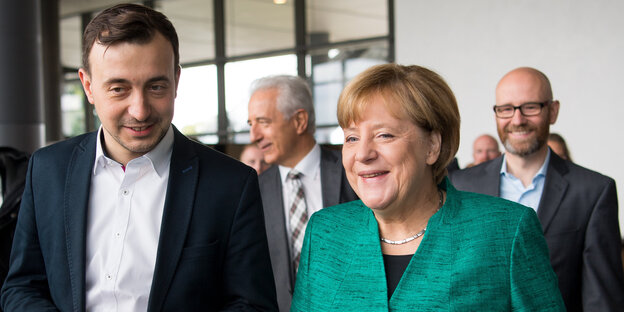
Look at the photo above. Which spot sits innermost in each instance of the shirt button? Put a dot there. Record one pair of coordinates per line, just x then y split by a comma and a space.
117, 234
125, 192
109, 277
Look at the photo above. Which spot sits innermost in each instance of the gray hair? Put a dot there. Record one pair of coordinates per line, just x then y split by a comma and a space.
294, 93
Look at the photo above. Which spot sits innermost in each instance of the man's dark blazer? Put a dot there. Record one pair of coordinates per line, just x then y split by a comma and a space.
211, 255
335, 189
579, 216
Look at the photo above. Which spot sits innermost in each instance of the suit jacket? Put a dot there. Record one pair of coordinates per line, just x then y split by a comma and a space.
578, 211
469, 259
211, 252
335, 189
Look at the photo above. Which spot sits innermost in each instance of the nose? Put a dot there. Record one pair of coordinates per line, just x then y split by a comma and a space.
365, 151
518, 118
139, 108
255, 135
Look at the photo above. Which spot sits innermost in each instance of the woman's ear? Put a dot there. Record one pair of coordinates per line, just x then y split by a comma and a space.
435, 144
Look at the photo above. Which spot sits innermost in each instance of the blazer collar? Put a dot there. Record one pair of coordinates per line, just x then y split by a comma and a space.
555, 188
181, 188
76, 203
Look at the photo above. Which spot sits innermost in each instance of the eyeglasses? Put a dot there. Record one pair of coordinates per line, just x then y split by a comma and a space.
526, 109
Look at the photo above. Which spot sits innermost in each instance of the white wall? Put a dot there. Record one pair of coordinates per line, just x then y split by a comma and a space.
578, 44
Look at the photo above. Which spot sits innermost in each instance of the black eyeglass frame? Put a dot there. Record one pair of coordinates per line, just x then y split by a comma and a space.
521, 107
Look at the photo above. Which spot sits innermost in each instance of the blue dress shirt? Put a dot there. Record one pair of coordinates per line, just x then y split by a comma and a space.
511, 188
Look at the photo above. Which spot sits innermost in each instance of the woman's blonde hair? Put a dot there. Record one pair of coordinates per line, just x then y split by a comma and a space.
422, 96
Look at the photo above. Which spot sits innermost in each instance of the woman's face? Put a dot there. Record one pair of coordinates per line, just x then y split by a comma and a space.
387, 159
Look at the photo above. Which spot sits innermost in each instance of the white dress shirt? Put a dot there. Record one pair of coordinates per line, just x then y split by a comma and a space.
310, 169
123, 227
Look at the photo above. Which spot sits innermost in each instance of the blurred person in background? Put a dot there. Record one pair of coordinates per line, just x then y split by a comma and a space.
304, 176
253, 157
558, 145
13, 167
484, 148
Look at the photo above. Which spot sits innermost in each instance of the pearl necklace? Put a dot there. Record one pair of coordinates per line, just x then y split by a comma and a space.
415, 236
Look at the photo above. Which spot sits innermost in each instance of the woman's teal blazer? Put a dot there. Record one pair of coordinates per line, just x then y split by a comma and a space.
479, 253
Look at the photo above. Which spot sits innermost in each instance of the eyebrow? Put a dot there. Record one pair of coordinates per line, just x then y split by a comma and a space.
527, 102
122, 80
158, 78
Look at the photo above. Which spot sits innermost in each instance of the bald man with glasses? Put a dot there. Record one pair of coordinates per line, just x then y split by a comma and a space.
577, 207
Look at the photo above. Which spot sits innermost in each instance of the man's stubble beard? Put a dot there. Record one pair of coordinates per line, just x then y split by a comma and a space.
526, 148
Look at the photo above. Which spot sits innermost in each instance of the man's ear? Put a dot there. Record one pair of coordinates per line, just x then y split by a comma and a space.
85, 79
553, 111
300, 120
177, 79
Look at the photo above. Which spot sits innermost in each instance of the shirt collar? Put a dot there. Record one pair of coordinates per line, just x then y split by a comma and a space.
309, 166
540, 172
159, 157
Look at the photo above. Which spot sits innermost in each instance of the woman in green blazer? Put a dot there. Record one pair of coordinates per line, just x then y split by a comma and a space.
413, 242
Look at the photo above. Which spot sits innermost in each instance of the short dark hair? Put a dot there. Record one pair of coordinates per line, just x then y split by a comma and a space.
128, 23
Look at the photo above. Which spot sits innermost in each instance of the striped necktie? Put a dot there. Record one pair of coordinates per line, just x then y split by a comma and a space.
297, 215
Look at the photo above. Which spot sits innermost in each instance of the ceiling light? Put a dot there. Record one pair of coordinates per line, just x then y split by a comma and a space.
333, 53
279, 1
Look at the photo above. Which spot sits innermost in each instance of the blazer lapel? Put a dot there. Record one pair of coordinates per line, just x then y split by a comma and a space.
275, 220
555, 187
76, 202
183, 177
432, 264
491, 180
364, 268
331, 178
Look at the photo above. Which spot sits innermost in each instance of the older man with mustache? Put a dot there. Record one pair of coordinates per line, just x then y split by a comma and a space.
577, 207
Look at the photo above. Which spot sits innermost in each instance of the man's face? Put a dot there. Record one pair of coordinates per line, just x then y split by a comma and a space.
524, 135
133, 87
274, 134
253, 157
484, 149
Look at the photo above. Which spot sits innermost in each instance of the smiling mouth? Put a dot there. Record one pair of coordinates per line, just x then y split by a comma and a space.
372, 175
139, 129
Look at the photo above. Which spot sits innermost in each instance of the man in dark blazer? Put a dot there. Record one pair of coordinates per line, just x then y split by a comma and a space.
577, 207
281, 117
135, 216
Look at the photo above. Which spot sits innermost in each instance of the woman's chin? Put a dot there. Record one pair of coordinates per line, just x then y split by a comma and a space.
375, 204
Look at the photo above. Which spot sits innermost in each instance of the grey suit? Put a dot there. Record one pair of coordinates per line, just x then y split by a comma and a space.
335, 189
578, 211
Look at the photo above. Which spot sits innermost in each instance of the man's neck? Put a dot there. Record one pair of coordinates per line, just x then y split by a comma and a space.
526, 167
302, 148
